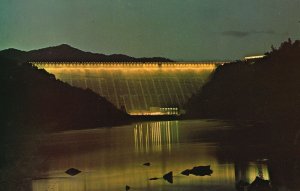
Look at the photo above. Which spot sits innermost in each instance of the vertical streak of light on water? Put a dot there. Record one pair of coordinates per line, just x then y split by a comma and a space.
169, 136
135, 139
160, 139
157, 134
147, 139
152, 136
177, 133
171, 131
166, 136
156, 138
141, 138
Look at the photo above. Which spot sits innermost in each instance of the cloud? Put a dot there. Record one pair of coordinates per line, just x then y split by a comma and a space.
240, 34
235, 33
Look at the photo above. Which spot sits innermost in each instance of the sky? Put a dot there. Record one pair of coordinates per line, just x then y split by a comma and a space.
183, 30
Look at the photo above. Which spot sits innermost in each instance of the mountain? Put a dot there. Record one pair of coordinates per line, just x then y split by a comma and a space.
66, 53
267, 89
31, 97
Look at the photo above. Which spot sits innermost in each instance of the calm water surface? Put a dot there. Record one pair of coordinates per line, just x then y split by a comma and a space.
111, 158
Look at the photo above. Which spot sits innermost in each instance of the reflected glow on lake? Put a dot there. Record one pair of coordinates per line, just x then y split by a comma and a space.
151, 137
111, 158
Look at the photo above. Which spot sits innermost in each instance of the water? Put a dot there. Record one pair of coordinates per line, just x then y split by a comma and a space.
111, 158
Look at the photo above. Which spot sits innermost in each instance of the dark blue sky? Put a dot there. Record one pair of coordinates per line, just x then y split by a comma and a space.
177, 29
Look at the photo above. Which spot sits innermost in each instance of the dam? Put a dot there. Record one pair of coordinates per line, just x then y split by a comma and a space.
139, 88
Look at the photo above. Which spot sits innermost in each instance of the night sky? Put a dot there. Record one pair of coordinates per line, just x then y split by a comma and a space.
187, 30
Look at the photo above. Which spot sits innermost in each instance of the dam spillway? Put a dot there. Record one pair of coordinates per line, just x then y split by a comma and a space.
138, 88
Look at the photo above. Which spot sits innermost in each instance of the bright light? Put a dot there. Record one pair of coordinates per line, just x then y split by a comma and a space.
128, 65
139, 88
254, 57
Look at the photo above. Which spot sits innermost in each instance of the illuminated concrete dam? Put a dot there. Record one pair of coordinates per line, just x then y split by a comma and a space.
138, 88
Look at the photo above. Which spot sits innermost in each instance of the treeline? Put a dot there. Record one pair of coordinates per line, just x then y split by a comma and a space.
263, 89
33, 97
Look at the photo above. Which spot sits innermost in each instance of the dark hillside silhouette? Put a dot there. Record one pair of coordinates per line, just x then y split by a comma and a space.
30, 96
32, 103
66, 53
265, 89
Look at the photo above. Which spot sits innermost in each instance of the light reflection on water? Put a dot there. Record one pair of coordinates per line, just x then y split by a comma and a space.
151, 137
112, 158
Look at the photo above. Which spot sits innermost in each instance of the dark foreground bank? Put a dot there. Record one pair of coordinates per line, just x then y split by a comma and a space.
33, 102
266, 89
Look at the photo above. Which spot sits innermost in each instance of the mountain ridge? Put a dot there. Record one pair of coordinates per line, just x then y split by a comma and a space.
67, 53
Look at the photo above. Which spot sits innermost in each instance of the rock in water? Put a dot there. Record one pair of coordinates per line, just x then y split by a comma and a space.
153, 178
201, 171
169, 177
186, 172
260, 184
147, 164
198, 171
73, 171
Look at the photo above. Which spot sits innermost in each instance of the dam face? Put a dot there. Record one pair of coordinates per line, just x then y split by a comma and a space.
138, 88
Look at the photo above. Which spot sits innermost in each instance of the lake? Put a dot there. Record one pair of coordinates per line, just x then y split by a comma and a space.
111, 158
